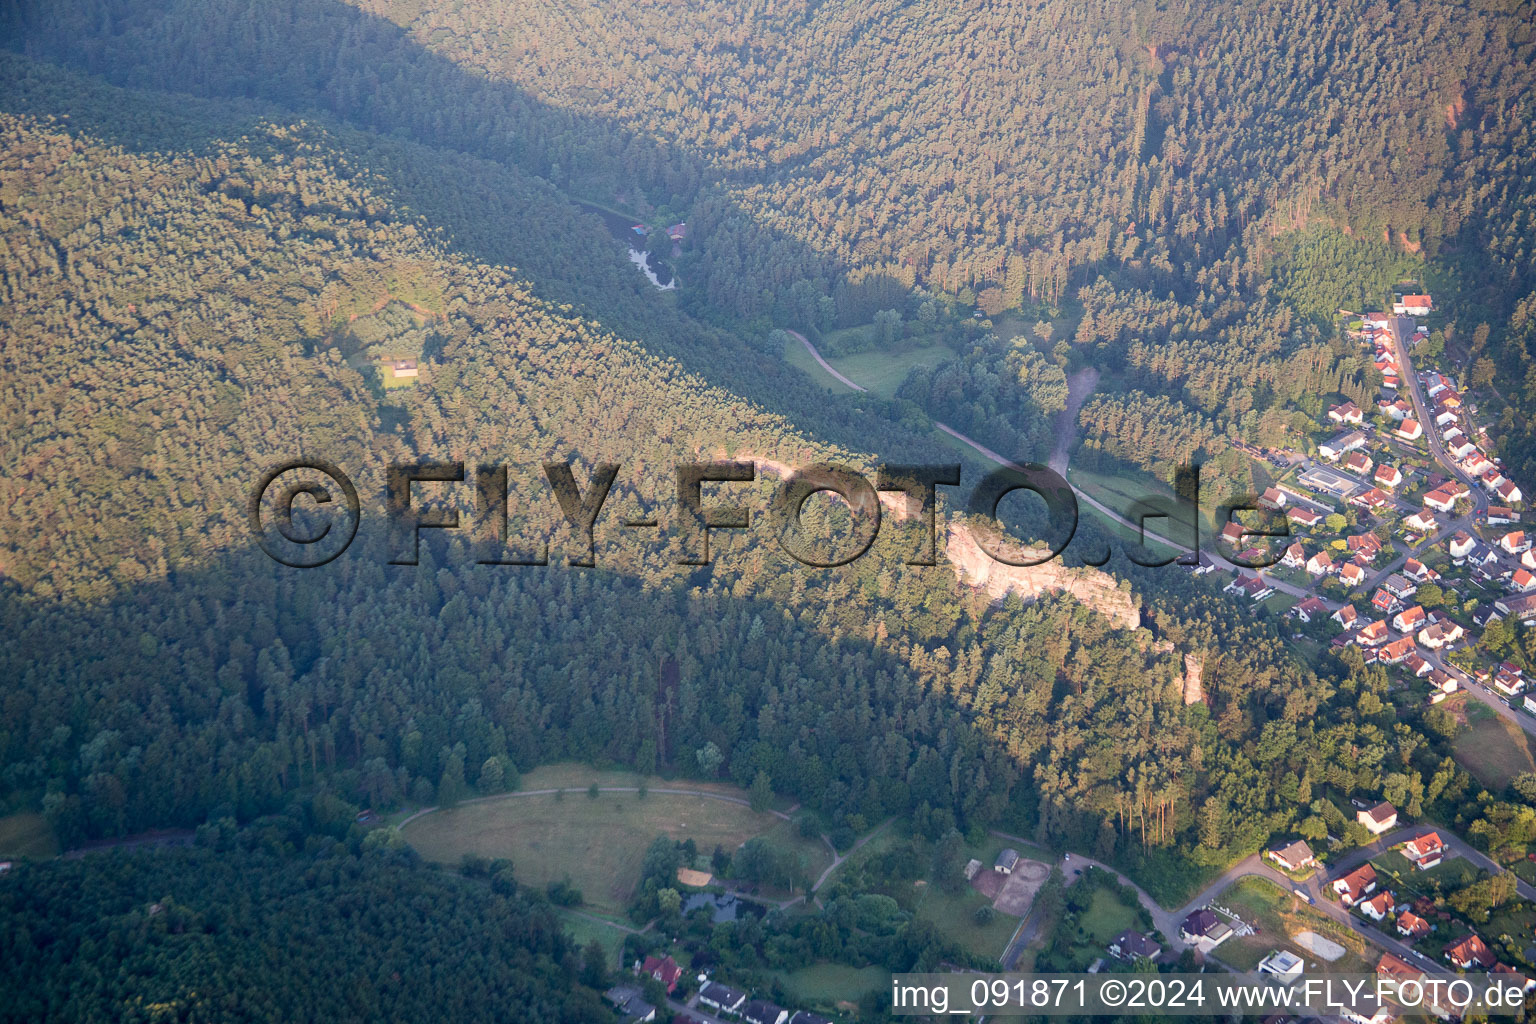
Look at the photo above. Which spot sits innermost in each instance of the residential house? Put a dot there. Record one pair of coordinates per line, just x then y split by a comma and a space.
1440, 634
1443, 682
1232, 533
1507, 491
1283, 964
1358, 462
1506, 973
1379, 321
1365, 546
1413, 305
1528, 560
1398, 969
1470, 953
1426, 851
1416, 664
1384, 602
1346, 616
1409, 619
1335, 447
1435, 384
1423, 521
1400, 586
1498, 515
1320, 564
1204, 929
1440, 499
1272, 498
1460, 545
1460, 447
1348, 413
1378, 907
1522, 582
1411, 925
1310, 609
721, 997
1355, 886
1132, 945
1410, 430
1396, 652
1509, 679
1295, 556
1515, 543
1398, 410
760, 1011
1303, 516
1378, 819
1372, 635
664, 969
1295, 856
632, 1008
1388, 476
1006, 861
1253, 587
1417, 570
1522, 607
403, 368
1372, 500
1352, 574
1445, 418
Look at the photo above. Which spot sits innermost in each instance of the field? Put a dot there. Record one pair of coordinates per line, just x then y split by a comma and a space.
583, 930
1493, 750
796, 355
27, 835
883, 371
598, 843
1277, 915
955, 917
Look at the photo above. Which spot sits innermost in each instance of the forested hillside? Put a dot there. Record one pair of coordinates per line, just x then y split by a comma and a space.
241, 929
216, 217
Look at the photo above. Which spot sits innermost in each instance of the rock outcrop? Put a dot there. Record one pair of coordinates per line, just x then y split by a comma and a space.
1098, 590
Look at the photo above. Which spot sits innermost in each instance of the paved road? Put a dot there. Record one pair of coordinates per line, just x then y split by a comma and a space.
1167, 921
1402, 331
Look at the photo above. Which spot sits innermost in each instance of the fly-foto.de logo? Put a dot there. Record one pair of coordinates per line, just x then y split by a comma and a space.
305, 513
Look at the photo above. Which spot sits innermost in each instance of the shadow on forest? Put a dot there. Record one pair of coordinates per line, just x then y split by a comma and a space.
328, 61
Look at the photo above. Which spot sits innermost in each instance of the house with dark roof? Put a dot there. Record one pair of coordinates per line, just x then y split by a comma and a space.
721, 997
1378, 819
1204, 929
1005, 861
761, 1011
1131, 944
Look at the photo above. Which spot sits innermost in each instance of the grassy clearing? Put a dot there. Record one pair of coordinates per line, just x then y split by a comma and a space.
27, 835
796, 355
599, 843
1277, 915
1493, 750
583, 930
955, 917
829, 984
883, 371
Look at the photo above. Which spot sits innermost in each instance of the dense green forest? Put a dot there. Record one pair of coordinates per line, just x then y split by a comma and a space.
243, 927
214, 215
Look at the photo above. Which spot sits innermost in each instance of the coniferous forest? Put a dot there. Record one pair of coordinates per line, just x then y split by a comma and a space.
220, 219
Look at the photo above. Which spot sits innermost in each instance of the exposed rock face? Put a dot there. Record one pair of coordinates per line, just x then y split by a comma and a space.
1194, 671
1098, 590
